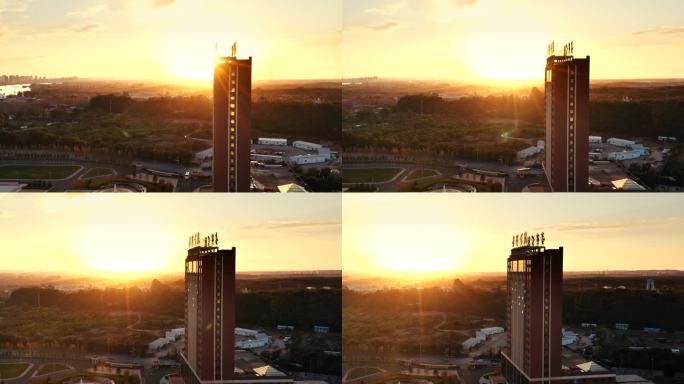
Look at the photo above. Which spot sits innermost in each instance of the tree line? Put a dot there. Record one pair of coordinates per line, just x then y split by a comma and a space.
297, 307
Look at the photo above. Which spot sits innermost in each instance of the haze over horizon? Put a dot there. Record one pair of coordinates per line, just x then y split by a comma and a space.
498, 41
125, 235
169, 39
437, 234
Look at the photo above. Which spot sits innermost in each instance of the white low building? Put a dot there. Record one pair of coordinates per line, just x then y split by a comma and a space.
671, 139
272, 141
175, 333
246, 332
159, 343
492, 330
528, 152
251, 344
307, 159
305, 145
249, 339
471, 343
266, 158
325, 152
202, 156
569, 337
595, 140
620, 142
625, 155
531, 151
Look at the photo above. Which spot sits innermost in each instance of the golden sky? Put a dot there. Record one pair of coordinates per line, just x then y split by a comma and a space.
476, 41
403, 235
169, 40
103, 234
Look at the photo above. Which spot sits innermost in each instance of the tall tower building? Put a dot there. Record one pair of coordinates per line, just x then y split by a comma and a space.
567, 121
232, 123
209, 311
535, 319
534, 309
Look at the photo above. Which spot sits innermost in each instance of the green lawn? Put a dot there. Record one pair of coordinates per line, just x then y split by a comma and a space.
45, 172
420, 173
12, 370
95, 172
357, 372
370, 175
51, 367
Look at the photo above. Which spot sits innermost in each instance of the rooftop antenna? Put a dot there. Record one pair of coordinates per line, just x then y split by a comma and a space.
234, 49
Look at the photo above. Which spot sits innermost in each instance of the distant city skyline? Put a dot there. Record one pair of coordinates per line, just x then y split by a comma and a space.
170, 40
129, 236
430, 235
492, 41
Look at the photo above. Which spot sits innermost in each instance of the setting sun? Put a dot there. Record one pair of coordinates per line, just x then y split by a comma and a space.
187, 61
122, 251
406, 240
493, 59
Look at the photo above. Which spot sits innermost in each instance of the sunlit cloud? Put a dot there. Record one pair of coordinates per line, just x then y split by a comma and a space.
291, 224
615, 225
388, 9
14, 6
87, 28
463, 3
388, 26
668, 30
88, 12
162, 3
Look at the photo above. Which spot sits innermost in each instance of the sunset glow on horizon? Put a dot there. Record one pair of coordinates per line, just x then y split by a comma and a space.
173, 40
497, 41
132, 235
431, 235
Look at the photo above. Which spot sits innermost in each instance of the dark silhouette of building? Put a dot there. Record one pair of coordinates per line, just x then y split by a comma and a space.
232, 124
567, 122
209, 311
535, 319
208, 356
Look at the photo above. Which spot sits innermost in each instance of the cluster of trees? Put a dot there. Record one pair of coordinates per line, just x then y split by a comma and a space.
646, 118
657, 359
320, 121
466, 301
300, 308
664, 309
159, 299
637, 118
320, 180
509, 106
416, 123
297, 307
295, 120
608, 307
154, 128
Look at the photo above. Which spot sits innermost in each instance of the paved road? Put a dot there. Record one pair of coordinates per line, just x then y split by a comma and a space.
150, 374
63, 185
469, 376
513, 184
